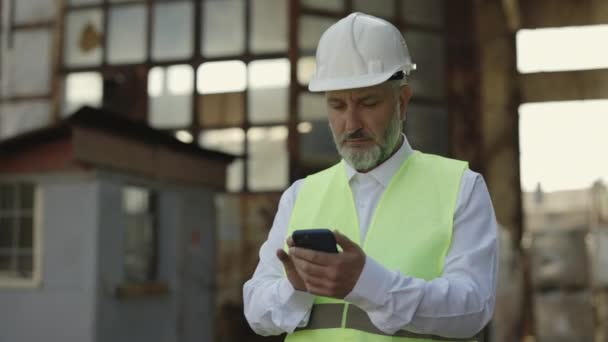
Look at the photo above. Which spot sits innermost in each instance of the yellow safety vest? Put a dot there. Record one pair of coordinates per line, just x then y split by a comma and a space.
410, 231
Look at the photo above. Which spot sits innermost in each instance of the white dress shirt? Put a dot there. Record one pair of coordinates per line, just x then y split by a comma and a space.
457, 304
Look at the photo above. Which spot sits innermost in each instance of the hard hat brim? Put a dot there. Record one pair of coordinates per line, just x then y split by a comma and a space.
360, 81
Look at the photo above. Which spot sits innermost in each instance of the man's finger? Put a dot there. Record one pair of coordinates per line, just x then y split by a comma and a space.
315, 257
307, 268
290, 242
344, 241
285, 259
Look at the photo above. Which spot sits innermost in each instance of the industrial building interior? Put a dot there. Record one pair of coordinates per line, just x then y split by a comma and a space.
517, 88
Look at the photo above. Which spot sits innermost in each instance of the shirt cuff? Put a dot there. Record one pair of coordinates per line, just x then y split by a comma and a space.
372, 287
297, 303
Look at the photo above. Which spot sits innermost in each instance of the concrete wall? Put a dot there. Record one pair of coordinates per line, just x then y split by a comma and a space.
185, 313
62, 308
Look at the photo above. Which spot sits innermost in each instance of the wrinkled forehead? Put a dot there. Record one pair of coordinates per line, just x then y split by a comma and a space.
379, 90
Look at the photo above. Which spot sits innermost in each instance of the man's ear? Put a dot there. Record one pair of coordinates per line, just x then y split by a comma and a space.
404, 99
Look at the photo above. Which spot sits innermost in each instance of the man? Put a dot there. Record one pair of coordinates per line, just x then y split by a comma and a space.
417, 231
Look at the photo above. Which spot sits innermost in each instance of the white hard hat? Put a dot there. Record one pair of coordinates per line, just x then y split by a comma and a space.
360, 51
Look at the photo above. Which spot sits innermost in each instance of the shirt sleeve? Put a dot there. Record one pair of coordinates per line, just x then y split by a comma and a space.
460, 302
272, 305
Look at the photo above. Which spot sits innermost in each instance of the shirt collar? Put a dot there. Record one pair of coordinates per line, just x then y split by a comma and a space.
384, 172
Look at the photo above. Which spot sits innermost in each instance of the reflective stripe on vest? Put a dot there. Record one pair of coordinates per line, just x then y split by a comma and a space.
410, 232
329, 316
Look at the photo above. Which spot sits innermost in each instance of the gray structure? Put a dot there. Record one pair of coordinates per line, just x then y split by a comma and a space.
78, 286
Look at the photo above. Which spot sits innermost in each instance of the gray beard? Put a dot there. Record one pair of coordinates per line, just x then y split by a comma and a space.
376, 155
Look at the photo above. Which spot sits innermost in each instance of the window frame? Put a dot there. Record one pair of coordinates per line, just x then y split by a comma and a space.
152, 275
35, 280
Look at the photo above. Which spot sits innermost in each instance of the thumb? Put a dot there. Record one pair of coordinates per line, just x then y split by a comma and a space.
285, 259
344, 242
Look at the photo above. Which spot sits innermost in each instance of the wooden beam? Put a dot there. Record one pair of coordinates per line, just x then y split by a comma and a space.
556, 13
564, 86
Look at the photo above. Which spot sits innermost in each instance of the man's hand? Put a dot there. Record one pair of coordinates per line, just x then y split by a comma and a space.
292, 274
329, 274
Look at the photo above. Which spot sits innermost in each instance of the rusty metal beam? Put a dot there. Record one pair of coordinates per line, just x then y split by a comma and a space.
294, 89
463, 79
57, 55
512, 12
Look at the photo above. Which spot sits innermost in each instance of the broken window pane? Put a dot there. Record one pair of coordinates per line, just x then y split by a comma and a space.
170, 96
268, 163
232, 141
25, 266
426, 127
268, 90
428, 52
32, 11
83, 37
423, 12
317, 147
127, 34
172, 31
7, 231
26, 230
221, 109
223, 28
221, 77
26, 196
5, 261
380, 8
229, 140
221, 84
30, 61
141, 217
7, 196
306, 69
311, 29
80, 89
312, 107
328, 5
268, 26
16, 118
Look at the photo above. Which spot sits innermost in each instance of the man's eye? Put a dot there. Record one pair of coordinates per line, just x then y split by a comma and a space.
370, 103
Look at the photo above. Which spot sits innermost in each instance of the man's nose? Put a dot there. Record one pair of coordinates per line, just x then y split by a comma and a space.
353, 120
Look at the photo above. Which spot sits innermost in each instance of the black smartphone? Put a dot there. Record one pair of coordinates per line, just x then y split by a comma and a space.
322, 240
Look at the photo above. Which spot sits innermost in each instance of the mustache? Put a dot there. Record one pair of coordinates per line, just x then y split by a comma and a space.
358, 134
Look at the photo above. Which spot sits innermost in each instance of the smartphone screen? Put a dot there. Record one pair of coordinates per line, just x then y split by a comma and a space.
322, 240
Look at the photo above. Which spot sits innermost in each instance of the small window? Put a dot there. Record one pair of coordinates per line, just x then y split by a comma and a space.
139, 208
268, 164
170, 96
172, 31
223, 28
82, 89
83, 38
381, 8
229, 140
327, 5
127, 34
17, 238
311, 29
268, 26
306, 69
268, 83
